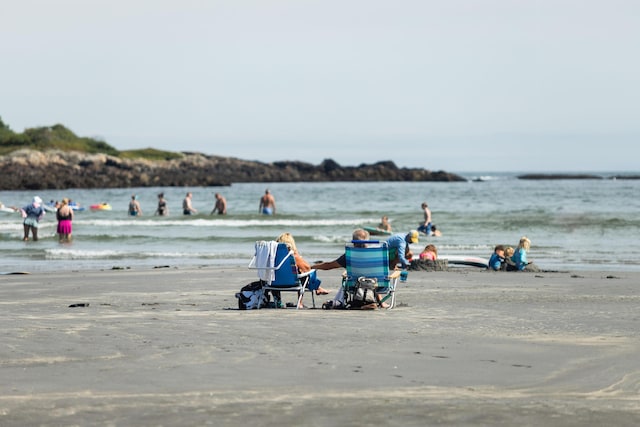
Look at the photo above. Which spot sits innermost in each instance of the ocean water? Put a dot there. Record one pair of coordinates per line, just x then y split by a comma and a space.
573, 224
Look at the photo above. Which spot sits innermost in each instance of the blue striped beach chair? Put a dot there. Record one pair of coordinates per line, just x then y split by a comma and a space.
370, 260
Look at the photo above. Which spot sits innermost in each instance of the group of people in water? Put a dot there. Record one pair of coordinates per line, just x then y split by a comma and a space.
34, 212
267, 205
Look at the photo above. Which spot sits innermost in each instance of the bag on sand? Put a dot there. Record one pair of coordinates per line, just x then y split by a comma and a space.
252, 296
364, 295
364, 292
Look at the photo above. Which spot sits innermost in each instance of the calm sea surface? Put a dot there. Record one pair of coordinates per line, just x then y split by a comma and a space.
573, 224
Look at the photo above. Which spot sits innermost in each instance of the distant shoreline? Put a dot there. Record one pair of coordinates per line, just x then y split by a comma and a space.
552, 176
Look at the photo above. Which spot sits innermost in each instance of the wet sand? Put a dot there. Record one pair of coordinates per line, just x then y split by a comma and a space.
167, 347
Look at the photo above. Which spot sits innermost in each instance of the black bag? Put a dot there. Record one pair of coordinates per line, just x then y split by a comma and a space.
252, 296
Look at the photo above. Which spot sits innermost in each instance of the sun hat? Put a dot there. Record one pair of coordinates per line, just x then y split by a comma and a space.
413, 236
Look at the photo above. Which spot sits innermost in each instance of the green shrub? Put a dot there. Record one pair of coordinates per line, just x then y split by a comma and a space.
58, 137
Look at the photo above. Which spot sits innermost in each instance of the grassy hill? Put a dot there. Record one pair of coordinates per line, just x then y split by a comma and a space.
58, 137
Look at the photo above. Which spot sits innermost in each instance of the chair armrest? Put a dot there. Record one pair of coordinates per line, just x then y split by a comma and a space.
395, 274
300, 275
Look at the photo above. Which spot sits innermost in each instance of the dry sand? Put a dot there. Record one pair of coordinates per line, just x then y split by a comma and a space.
167, 347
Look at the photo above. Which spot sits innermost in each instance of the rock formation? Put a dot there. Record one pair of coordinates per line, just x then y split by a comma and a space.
36, 170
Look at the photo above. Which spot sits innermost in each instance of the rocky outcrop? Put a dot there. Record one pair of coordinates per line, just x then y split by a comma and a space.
558, 176
551, 176
35, 170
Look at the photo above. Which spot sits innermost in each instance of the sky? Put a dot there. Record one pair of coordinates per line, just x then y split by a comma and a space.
456, 85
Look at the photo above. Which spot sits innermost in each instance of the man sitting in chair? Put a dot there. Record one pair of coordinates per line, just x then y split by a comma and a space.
341, 261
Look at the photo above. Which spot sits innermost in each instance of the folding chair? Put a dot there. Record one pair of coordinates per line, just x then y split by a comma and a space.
277, 270
369, 260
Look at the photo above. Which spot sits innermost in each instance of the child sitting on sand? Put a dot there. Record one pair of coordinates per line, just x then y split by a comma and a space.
497, 258
520, 256
429, 253
508, 264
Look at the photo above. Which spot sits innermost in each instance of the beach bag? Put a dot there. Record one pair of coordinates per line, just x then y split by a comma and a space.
364, 292
252, 296
337, 303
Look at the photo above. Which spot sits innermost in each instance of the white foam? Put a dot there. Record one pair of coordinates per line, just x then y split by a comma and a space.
233, 223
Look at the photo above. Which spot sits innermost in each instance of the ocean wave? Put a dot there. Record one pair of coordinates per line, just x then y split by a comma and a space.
71, 254
229, 223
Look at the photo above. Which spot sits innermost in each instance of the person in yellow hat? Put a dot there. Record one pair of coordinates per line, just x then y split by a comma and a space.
398, 245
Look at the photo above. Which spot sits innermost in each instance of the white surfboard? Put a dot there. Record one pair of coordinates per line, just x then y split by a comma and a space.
470, 261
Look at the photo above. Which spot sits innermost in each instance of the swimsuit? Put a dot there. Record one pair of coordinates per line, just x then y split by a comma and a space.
133, 211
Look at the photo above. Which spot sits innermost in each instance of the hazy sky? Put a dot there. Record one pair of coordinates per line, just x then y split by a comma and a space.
458, 85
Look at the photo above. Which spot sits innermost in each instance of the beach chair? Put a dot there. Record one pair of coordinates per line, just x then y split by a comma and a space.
277, 271
367, 265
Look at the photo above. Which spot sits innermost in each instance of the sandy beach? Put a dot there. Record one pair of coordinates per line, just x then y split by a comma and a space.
168, 347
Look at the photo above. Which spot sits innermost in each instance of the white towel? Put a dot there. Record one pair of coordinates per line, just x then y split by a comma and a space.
265, 260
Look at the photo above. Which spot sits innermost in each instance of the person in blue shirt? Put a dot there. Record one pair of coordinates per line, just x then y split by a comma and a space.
398, 244
32, 215
520, 255
497, 258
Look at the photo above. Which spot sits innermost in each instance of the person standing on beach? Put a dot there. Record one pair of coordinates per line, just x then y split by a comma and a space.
32, 215
267, 204
221, 205
64, 215
187, 208
134, 206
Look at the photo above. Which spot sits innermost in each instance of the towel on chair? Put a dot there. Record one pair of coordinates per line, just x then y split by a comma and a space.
265, 260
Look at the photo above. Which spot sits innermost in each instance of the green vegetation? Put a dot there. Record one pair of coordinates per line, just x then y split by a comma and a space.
150, 154
58, 137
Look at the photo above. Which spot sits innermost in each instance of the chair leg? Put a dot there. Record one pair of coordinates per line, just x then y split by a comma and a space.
300, 295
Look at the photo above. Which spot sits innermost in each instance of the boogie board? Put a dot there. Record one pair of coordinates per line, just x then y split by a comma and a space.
376, 231
470, 261
101, 207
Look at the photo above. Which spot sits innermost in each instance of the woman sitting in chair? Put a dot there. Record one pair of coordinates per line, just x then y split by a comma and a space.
301, 263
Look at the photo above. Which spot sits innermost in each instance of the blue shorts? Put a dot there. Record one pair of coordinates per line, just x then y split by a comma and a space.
267, 211
425, 229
